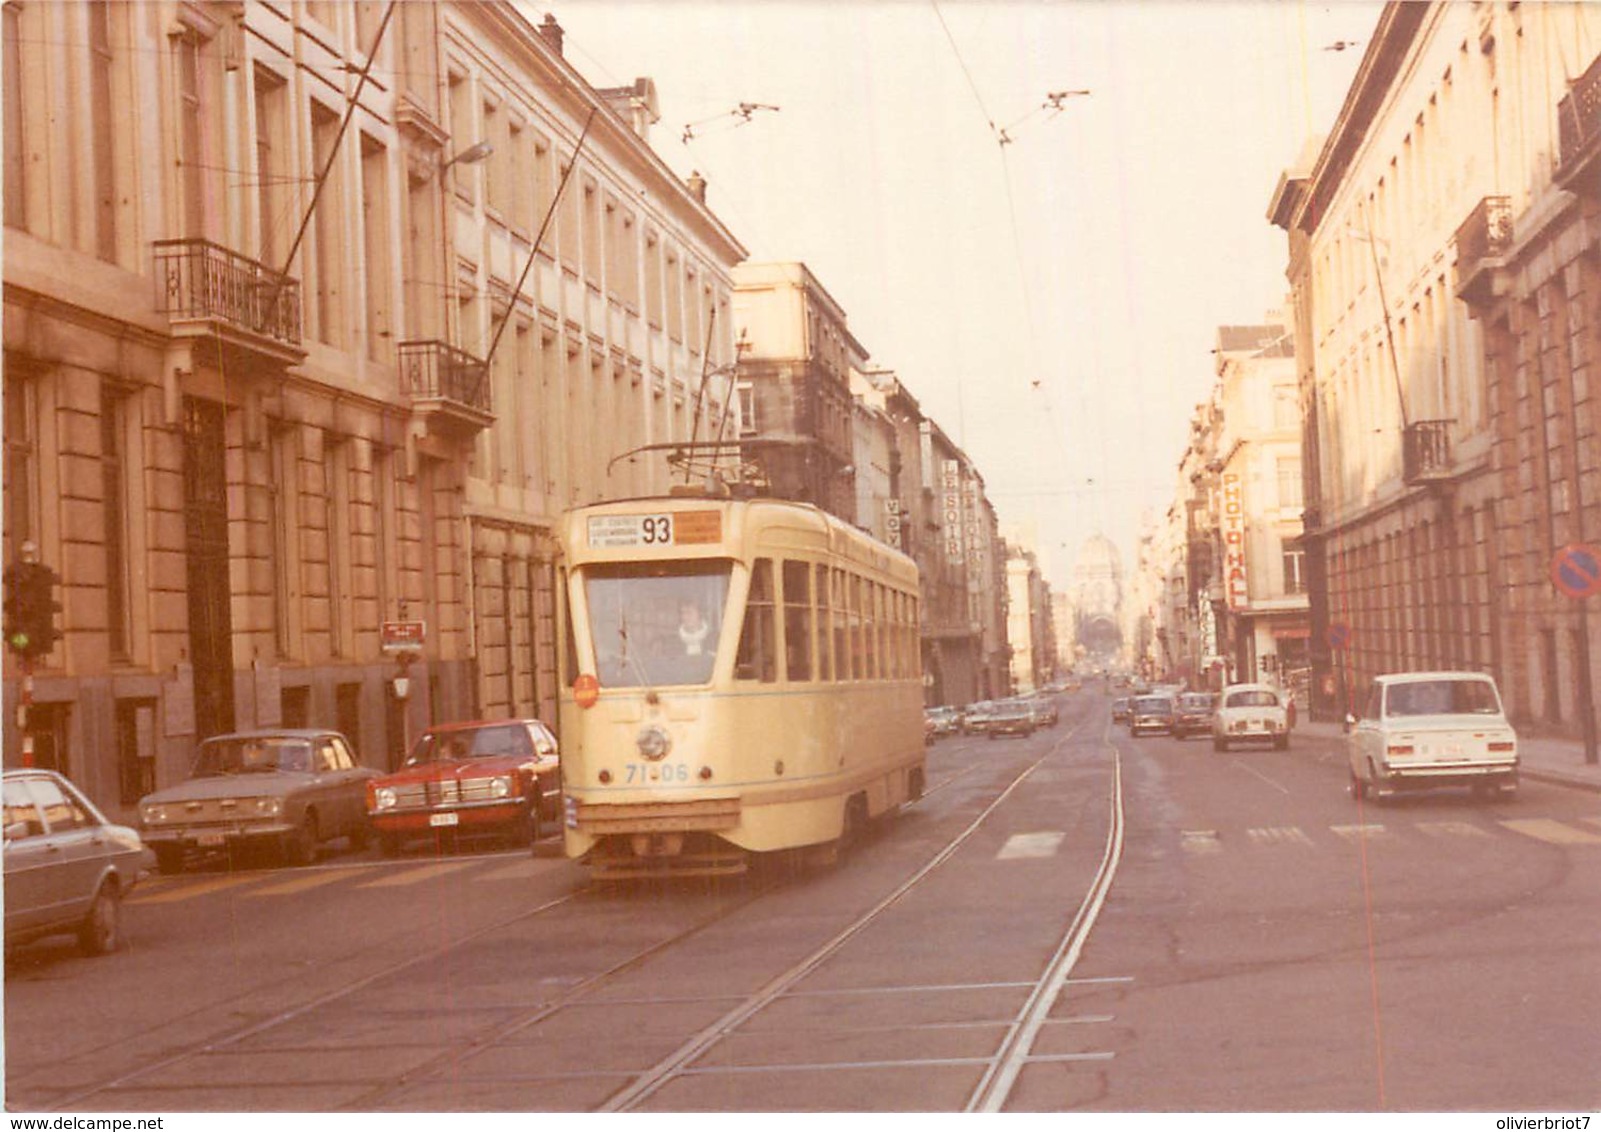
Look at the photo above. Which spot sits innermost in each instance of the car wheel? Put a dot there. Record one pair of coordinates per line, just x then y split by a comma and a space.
1281, 742
169, 859
301, 846
102, 927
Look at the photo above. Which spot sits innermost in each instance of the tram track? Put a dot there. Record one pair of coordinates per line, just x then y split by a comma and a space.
492, 1036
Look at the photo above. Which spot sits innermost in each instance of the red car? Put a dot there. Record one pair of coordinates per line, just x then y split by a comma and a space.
498, 778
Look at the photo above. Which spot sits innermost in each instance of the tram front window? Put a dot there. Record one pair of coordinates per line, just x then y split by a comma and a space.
656, 623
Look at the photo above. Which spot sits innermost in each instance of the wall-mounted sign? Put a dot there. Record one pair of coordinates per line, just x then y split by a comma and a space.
1236, 585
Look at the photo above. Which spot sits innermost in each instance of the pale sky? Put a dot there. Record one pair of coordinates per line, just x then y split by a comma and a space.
1094, 255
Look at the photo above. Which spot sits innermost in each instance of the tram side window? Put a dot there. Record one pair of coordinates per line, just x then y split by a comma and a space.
897, 635
825, 654
758, 640
842, 645
798, 620
874, 595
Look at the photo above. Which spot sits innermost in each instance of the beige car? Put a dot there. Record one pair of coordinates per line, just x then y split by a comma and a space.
1250, 713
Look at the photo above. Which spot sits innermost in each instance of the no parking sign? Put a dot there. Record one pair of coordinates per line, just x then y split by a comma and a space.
1576, 570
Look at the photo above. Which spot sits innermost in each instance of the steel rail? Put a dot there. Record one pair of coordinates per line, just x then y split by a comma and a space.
677, 1064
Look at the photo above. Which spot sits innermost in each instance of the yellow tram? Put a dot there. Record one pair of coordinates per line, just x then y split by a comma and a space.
740, 676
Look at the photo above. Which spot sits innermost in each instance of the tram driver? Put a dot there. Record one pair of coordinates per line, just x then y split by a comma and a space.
692, 628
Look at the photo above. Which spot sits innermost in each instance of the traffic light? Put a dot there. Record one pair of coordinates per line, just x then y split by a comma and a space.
31, 608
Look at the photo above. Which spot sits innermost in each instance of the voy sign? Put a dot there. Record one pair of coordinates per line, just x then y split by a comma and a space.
1232, 518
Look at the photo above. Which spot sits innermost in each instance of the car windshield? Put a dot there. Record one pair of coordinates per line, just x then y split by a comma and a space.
656, 623
255, 755
1153, 704
1254, 698
473, 743
1196, 702
1442, 697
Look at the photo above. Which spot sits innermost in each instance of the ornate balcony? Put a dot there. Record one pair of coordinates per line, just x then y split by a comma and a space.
448, 388
1481, 240
1426, 452
1579, 134
211, 292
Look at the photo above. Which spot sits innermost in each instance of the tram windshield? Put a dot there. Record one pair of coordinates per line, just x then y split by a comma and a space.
656, 623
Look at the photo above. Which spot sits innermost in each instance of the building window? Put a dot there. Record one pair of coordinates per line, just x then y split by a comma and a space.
1294, 568
463, 132
102, 66
745, 391
136, 749
114, 493
280, 533
1289, 473
15, 158
328, 223
420, 269
336, 504
21, 472
376, 242
191, 134
271, 165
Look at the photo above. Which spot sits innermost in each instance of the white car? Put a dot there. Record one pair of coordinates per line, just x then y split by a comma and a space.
1419, 730
1250, 713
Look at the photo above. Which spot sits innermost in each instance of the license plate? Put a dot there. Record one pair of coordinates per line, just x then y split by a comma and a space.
442, 819
210, 840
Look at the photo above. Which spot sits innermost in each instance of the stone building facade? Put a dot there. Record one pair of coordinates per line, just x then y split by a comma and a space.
1444, 257
275, 378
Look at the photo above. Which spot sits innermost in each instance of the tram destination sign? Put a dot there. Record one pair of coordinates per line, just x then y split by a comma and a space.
662, 528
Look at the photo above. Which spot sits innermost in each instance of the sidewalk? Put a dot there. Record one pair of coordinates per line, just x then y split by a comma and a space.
1560, 761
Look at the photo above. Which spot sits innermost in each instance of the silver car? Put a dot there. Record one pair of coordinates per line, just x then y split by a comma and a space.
288, 790
67, 868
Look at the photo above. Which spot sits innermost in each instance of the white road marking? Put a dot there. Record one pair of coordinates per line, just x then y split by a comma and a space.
416, 876
1263, 777
1278, 835
1452, 829
1544, 829
1201, 842
1359, 832
1030, 845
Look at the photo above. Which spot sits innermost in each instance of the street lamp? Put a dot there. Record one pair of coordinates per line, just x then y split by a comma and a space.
469, 156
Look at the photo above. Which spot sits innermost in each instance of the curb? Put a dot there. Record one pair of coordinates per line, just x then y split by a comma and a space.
1558, 778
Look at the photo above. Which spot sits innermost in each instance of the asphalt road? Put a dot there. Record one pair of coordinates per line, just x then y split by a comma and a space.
1264, 945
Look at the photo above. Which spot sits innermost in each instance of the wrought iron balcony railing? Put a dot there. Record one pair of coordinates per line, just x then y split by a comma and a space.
435, 370
1579, 129
1426, 451
200, 280
1485, 235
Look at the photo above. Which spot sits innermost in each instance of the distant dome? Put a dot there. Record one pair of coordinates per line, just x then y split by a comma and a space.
1099, 556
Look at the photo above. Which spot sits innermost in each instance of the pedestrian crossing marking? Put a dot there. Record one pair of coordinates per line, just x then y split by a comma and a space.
201, 888
1030, 845
1278, 835
522, 870
1200, 841
302, 883
1544, 829
1452, 829
1359, 832
416, 876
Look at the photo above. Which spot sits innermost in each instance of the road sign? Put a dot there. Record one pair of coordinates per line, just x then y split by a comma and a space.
403, 636
1339, 635
1576, 570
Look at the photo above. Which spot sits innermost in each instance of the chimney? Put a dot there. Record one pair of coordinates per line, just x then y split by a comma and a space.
697, 186
636, 105
550, 31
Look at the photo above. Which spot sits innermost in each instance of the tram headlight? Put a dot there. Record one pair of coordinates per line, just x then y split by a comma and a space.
654, 742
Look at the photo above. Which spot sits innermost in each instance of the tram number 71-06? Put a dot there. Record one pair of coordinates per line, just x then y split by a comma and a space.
639, 774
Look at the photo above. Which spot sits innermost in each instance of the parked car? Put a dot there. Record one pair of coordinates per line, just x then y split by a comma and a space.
1194, 714
1010, 717
1045, 711
287, 790
1250, 713
975, 720
66, 867
946, 720
1151, 713
1419, 730
501, 778
1120, 709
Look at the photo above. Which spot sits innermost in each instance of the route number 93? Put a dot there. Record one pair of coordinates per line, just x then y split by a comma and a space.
656, 530
646, 774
